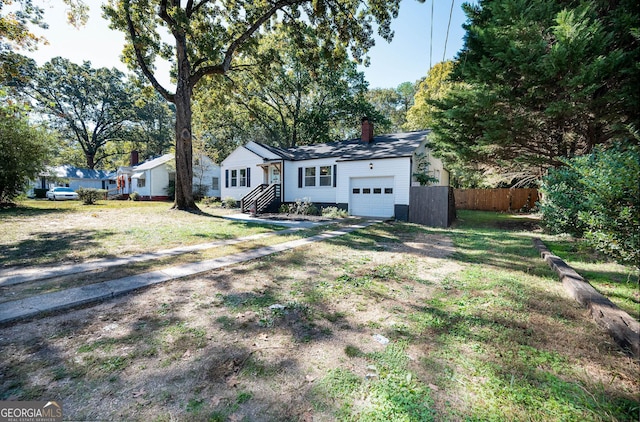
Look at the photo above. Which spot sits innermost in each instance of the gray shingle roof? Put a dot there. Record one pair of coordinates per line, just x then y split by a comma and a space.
382, 146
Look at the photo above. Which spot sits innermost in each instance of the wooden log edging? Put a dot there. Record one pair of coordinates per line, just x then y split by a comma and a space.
620, 325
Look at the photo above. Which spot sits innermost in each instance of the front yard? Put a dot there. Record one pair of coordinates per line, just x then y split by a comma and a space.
478, 328
43, 232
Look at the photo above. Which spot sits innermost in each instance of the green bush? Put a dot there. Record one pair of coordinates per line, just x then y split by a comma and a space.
171, 190
211, 201
562, 200
134, 196
300, 207
334, 212
89, 196
284, 209
598, 196
229, 202
199, 191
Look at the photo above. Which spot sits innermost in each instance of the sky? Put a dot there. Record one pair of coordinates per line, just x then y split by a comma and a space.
406, 58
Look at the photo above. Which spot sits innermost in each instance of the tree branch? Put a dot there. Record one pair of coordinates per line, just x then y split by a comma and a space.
164, 15
225, 66
191, 9
143, 65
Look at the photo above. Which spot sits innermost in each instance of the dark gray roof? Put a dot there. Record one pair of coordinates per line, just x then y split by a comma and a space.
382, 146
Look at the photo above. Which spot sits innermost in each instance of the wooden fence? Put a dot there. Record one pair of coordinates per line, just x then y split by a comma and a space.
432, 206
495, 199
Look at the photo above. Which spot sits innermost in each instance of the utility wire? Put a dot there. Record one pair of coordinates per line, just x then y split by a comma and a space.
448, 27
431, 39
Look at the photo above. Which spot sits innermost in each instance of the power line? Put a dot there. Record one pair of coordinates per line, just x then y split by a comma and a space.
431, 39
448, 27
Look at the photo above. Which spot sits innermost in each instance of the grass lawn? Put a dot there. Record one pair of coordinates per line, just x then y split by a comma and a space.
478, 328
48, 232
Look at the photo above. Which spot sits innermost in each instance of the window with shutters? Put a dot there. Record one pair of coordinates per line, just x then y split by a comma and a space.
234, 178
309, 176
325, 176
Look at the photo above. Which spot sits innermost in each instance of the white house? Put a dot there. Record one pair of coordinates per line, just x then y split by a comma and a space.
151, 178
370, 176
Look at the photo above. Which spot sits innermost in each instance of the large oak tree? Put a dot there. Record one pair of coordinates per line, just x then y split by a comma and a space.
208, 37
288, 99
89, 107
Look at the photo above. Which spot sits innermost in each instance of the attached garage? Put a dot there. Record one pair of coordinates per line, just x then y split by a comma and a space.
371, 196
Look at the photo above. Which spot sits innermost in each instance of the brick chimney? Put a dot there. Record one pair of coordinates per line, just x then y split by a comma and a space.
134, 158
367, 130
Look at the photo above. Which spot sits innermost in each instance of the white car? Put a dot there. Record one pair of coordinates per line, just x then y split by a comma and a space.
60, 193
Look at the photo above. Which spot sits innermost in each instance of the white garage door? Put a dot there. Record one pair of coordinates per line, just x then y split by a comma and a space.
371, 197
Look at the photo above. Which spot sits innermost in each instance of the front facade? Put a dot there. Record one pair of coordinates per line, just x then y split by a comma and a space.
366, 177
152, 179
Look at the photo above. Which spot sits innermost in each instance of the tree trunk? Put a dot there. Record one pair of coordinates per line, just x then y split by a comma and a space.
184, 152
90, 160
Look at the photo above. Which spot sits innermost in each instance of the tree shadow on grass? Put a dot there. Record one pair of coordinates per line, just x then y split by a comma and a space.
27, 211
48, 248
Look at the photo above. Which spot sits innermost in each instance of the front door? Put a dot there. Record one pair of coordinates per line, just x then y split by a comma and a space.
274, 174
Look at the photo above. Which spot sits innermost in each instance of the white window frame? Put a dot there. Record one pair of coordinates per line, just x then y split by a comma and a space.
326, 180
234, 178
310, 179
215, 183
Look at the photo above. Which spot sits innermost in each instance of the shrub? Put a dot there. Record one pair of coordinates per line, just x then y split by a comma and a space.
334, 212
300, 207
199, 191
89, 196
311, 210
562, 200
229, 202
605, 188
134, 196
304, 206
284, 209
171, 190
211, 201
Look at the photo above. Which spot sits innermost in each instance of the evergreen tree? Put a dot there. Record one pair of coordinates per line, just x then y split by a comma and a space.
540, 81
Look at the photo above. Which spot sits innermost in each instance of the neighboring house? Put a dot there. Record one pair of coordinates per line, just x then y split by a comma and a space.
371, 176
75, 178
151, 178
